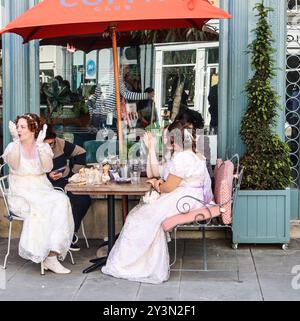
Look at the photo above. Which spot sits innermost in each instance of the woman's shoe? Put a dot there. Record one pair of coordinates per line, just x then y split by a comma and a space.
51, 263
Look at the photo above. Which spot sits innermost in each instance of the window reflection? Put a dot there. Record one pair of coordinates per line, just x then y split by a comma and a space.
1, 103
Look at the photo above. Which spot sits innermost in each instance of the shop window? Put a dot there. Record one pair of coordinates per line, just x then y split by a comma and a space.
1, 104
213, 55
75, 77
180, 57
293, 5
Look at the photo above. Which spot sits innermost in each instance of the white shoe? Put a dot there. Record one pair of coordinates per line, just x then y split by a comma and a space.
51, 263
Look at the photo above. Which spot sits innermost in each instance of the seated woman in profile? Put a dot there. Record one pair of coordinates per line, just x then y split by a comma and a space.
141, 252
191, 120
48, 227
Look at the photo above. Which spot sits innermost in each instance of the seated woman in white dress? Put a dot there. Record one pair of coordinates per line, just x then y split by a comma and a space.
141, 251
48, 223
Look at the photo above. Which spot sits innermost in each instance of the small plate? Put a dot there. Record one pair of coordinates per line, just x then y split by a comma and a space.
123, 180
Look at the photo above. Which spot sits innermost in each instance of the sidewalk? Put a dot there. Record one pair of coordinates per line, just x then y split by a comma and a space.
265, 272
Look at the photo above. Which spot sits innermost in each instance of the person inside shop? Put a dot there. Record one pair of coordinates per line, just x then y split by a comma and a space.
68, 92
103, 108
48, 222
146, 111
213, 109
129, 82
43, 96
68, 159
60, 79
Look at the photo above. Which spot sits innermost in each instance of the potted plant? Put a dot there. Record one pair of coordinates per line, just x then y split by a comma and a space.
57, 97
80, 112
262, 211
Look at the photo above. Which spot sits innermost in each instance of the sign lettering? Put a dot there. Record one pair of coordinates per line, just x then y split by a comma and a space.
73, 3
63, 3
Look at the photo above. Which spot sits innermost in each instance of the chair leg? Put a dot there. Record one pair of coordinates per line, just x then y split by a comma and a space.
204, 249
237, 265
71, 256
8, 245
42, 268
175, 247
83, 233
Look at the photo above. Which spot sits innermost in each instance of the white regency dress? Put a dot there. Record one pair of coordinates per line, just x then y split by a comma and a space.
141, 251
48, 225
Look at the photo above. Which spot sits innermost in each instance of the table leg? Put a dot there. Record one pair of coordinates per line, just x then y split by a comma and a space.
124, 207
111, 234
111, 221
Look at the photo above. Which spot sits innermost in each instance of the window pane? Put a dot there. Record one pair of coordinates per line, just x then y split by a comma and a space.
178, 87
180, 57
213, 55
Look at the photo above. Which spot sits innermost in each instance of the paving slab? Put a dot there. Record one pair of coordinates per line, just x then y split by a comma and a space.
266, 272
105, 288
279, 287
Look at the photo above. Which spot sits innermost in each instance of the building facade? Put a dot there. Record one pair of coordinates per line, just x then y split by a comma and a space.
224, 57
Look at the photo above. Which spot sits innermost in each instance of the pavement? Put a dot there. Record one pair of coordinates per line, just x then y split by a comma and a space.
266, 273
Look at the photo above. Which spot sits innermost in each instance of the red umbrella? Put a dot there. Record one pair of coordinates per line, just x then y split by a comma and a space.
91, 42
58, 18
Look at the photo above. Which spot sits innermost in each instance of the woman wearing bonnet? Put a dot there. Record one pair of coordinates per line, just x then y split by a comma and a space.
48, 225
141, 251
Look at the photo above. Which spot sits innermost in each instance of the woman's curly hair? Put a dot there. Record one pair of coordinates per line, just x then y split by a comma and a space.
33, 121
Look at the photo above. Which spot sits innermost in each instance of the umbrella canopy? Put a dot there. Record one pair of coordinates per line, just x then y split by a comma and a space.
91, 42
58, 18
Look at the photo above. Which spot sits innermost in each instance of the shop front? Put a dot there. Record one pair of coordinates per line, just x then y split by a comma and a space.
219, 65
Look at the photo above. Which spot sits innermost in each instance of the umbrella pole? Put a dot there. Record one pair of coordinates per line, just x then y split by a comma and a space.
117, 87
118, 105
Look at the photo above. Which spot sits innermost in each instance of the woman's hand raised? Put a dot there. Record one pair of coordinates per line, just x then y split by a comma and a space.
13, 131
149, 140
42, 135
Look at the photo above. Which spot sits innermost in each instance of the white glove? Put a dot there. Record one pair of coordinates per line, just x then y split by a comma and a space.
41, 136
13, 131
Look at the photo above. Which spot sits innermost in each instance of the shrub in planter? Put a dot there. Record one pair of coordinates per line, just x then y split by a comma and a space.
262, 211
266, 162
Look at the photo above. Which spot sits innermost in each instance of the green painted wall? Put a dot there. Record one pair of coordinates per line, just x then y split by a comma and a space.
235, 70
235, 35
20, 69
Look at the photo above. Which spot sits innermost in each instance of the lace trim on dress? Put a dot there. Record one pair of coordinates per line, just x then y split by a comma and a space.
38, 259
12, 172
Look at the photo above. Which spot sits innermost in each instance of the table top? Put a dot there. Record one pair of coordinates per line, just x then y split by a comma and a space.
111, 188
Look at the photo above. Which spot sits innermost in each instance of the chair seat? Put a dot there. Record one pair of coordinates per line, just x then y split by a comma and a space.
196, 215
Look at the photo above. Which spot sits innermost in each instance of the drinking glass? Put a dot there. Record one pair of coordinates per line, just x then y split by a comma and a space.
135, 177
90, 177
124, 170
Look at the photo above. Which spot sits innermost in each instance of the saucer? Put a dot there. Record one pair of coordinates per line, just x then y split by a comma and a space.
123, 180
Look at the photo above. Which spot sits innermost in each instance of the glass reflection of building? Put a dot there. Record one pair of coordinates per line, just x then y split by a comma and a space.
292, 126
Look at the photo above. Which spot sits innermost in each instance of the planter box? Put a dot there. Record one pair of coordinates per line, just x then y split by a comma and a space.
262, 217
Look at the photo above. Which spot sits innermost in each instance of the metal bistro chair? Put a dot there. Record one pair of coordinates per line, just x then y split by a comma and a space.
82, 224
11, 216
227, 184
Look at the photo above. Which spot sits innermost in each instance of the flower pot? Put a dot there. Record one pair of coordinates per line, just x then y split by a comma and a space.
262, 216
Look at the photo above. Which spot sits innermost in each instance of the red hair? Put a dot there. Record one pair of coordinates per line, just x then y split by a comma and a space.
33, 122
